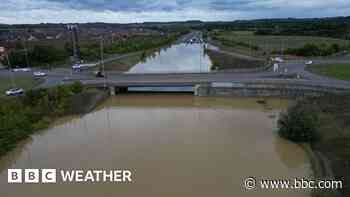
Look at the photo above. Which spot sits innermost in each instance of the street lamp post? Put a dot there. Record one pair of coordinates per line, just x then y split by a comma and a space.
102, 70
10, 71
25, 52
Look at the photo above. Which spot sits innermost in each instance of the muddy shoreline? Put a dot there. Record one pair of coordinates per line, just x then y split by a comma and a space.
87, 101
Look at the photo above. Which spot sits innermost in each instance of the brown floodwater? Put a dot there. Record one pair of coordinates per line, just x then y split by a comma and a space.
175, 145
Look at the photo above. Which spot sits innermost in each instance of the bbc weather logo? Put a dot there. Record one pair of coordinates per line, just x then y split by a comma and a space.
31, 176
68, 176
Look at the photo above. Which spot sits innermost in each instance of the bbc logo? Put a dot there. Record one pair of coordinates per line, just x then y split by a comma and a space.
31, 176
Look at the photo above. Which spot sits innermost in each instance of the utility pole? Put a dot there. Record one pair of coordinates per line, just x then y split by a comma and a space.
200, 58
266, 53
25, 52
102, 68
250, 47
10, 71
73, 29
282, 48
113, 38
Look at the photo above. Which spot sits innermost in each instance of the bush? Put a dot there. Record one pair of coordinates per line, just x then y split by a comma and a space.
139, 43
20, 117
299, 124
77, 87
39, 55
310, 49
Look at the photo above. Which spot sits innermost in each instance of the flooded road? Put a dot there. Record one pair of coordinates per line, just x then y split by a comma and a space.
175, 145
178, 58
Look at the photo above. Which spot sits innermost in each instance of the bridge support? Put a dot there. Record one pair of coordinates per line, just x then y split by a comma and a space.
272, 89
112, 91
196, 89
117, 90
201, 90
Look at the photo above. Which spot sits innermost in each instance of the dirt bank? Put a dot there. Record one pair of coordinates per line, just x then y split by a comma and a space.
85, 102
224, 61
329, 149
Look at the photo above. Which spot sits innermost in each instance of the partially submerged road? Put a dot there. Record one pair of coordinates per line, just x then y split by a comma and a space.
195, 78
294, 68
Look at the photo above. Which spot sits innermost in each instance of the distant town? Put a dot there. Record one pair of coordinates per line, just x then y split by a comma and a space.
188, 109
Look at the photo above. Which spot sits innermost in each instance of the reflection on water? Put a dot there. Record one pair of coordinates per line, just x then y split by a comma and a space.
176, 145
181, 58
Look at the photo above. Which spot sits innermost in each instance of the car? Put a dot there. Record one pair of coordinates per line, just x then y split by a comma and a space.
278, 59
39, 74
99, 74
309, 62
76, 66
14, 92
21, 70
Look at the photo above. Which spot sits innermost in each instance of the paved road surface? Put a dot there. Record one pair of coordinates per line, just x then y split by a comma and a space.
61, 76
295, 67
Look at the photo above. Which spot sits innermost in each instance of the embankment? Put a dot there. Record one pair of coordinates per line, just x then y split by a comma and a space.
20, 117
85, 102
226, 61
268, 88
325, 121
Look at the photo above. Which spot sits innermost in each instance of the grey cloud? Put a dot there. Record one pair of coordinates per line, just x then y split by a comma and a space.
126, 5
21, 11
172, 5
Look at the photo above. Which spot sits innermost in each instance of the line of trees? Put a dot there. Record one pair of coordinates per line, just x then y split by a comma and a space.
42, 55
336, 27
21, 116
309, 29
310, 49
139, 43
233, 43
39, 55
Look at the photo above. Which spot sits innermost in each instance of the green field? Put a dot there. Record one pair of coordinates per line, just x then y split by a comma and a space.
25, 82
337, 71
223, 61
241, 40
124, 64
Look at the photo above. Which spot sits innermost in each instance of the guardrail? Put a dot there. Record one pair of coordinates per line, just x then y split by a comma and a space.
270, 88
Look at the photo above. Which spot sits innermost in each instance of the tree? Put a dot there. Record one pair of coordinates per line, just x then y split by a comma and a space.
299, 124
77, 87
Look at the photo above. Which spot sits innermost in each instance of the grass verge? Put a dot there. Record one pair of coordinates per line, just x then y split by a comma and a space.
223, 61
124, 64
25, 82
337, 71
248, 43
22, 116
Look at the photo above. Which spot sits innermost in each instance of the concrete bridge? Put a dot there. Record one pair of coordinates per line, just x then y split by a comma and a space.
263, 83
219, 84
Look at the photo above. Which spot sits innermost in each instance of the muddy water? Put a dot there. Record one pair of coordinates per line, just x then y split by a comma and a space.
175, 145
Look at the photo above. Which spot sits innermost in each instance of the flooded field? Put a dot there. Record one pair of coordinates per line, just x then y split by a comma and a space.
178, 58
175, 145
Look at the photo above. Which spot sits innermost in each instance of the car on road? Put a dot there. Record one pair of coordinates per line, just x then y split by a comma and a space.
76, 67
39, 74
99, 74
278, 59
79, 67
21, 70
309, 62
14, 92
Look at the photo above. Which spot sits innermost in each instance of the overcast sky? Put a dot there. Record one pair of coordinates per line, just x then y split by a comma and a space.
129, 11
